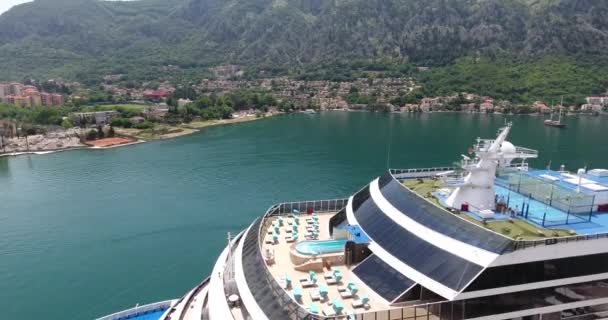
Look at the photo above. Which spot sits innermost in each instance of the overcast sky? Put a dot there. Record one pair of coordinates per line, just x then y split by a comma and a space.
7, 4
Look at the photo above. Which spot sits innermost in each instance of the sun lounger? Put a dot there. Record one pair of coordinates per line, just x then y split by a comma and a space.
269, 241
337, 306
343, 289
332, 280
346, 294
315, 296
309, 281
287, 281
329, 312
313, 308
361, 302
291, 239
328, 275
297, 293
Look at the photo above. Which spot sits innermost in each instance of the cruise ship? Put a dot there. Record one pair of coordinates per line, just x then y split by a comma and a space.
488, 238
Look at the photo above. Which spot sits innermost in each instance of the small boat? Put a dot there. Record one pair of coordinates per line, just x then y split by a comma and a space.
310, 111
556, 123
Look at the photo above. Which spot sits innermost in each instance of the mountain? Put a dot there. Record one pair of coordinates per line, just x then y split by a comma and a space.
83, 39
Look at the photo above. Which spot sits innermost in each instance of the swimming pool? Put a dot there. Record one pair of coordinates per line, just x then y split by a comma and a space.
320, 247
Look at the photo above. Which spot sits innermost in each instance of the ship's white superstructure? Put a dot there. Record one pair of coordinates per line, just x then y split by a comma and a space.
490, 239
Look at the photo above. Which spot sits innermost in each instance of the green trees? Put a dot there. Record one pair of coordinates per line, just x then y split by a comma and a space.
520, 80
67, 123
121, 122
144, 125
91, 135
100, 134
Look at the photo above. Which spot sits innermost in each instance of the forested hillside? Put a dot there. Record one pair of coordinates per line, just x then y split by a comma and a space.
83, 39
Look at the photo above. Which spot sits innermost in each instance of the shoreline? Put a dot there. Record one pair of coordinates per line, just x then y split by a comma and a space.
185, 130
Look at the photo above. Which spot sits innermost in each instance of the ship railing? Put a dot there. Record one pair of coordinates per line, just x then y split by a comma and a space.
526, 244
526, 151
401, 174
302, 206
140, 310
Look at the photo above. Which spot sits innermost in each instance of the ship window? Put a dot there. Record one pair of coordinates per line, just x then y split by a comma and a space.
437, 264
384, 280
547, 270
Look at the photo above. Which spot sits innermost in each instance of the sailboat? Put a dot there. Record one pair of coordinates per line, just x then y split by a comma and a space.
556, 123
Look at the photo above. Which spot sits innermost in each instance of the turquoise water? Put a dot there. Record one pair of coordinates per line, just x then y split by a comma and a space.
320, 247
91, 232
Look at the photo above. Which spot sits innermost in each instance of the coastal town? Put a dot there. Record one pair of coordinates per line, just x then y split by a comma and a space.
117, 114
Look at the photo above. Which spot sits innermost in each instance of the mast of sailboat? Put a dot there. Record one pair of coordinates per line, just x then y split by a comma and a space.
559, 120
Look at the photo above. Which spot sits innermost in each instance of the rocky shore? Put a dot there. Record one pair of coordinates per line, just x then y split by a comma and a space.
70, 139
52, 141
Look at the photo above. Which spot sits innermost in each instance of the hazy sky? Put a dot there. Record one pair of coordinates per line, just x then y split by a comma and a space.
7, 4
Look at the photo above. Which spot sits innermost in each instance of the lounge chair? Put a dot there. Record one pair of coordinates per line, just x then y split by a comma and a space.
337, 306
343, 289
323, 291
312, 308
308, 283
287, 280
297, 293
346, 294
315, 296
334, 280
361, 302
329, 312
328, 275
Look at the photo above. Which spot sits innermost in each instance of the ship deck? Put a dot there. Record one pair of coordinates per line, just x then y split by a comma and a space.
542, 221
284, 266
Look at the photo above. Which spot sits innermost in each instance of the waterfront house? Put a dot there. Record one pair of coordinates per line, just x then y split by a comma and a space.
486, 107
97, 117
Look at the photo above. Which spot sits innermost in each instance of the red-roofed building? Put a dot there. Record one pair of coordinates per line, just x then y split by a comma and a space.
157, 95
